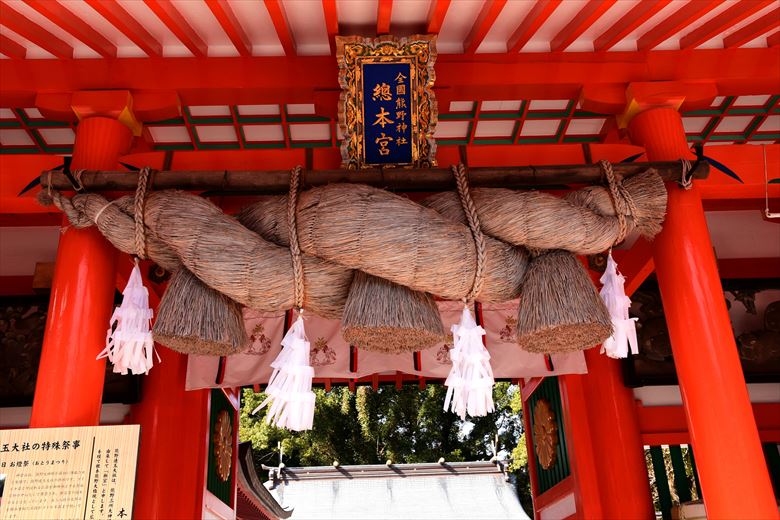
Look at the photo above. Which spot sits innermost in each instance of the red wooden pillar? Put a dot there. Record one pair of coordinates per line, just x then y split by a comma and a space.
732, 471
174, 442
69, 388
619, 455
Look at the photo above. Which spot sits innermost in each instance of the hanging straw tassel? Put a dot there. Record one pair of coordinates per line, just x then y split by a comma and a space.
613, 292
129, 343
470, 381
614, 296
289, 389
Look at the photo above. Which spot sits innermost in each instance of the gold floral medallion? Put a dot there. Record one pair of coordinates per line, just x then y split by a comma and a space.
222, 439
545, 433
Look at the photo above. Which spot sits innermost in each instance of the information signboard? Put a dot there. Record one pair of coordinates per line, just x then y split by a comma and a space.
84, 472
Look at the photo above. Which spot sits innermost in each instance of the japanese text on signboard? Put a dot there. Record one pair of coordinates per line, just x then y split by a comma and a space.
387, 113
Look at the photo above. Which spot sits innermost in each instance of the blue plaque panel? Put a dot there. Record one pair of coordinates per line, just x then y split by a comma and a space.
387, 113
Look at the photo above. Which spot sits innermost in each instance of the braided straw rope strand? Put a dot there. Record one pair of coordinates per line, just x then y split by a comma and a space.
470, 210
138, 212
621, 199
295, 248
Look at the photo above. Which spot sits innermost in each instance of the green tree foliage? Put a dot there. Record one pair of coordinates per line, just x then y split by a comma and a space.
405, 426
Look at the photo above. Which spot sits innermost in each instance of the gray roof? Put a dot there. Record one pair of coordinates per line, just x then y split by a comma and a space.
460, 490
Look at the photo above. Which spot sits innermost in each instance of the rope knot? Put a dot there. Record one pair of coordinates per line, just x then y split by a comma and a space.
138, 216
461, 179
295, 248
622, 200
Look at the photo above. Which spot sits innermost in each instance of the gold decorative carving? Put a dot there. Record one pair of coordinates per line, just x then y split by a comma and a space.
420, 53
545, 433
222, 439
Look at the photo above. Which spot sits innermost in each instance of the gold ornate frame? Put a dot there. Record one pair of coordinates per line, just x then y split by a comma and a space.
420, 51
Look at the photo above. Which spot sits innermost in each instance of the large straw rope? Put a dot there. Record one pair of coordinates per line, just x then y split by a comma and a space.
346, 227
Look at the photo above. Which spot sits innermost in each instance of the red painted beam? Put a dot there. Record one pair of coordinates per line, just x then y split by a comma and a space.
230, 24
485, 19
282, 26
638, 15
176, 23
331, 22
72, 24
753, 30
538, 14
19, 24
676, 22
587, 16
436, 15
127, 25
383, 13
773, 40
12, 49
728, 18
636, 264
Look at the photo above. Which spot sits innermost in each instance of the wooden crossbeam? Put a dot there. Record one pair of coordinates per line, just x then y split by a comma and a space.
282, 26
538, 14
175, 22
12, 49
587, 16
74, 25
34, 32
230, 24
330, 11
675, 22
753, 30
638, 15
408, 180
728, 18
436, 15
127, 25
485, 19
383, 13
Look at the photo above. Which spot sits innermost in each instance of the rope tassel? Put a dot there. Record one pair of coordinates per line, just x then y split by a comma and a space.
129, 342
614, 296
289, 389
470, 382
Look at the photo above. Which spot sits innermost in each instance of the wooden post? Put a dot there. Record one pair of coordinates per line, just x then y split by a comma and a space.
69, 388
733, 473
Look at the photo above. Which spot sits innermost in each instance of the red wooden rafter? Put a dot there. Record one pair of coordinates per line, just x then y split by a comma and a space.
638, 15
175, 22
331, 22
34, 32
436, 15
72, 24
282, 26
773, 40
485, 19
383, 13
591, 12
728, 18
127, 25
675, 22
753, 30
12, 49
230, 24
538, 14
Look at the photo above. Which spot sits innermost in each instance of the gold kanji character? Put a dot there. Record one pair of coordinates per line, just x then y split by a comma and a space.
382, 119
400, 78
401, 115
400, 103
400, 89
401, 140
401, 128
383, 140
382, 92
